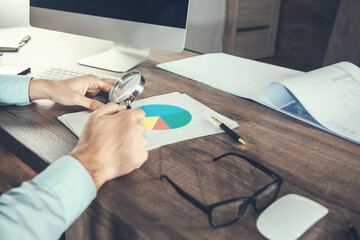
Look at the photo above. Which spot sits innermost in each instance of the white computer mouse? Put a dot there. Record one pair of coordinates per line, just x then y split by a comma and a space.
289, 217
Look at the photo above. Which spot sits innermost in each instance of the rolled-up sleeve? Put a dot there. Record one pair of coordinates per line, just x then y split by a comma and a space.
46, 206
14, 90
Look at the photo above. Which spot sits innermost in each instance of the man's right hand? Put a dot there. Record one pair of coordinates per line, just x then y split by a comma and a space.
112, 143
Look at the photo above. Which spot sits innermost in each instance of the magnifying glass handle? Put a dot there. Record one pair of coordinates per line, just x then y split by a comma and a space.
127, 103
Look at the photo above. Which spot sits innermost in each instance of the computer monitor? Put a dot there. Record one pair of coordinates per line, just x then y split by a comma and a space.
134, 26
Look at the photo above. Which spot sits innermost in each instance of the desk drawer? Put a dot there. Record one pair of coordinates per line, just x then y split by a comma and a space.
254, 13
254, 44
251, 27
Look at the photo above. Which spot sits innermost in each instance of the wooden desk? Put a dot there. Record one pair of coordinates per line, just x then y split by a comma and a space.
313, 163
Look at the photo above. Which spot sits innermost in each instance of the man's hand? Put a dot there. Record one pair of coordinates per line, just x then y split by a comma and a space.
72, 91
112, 143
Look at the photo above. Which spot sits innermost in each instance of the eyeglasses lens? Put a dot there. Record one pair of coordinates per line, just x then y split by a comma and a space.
228, 212
266, 196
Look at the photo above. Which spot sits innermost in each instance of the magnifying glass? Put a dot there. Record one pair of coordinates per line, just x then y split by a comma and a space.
127, 89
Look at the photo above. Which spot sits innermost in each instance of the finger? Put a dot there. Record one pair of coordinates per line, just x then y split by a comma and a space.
92, 93
137, 114
110, 108
105, 85
90, 103
112, 82
80, 100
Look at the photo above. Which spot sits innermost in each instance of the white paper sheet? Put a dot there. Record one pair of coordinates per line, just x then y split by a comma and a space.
331, 95
328, 98
201, 123
238, 76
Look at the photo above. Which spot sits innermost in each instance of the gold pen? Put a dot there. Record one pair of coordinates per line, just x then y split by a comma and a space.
230, 132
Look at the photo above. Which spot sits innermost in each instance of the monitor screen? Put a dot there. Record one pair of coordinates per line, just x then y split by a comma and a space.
133, 25
171, 13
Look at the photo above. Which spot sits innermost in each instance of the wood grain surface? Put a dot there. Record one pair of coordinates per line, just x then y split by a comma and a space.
312, 162
12, 170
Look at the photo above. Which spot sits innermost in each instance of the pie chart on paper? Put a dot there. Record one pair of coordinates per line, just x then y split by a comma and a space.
164, 117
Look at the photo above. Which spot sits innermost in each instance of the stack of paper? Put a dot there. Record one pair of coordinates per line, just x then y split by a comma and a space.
170, 118
327, 98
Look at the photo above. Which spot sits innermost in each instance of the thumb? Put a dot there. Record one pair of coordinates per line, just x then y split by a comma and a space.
89, 103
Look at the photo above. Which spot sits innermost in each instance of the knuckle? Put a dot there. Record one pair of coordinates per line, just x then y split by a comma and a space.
140, 113
137, 113
111, 104
113, 107
93, 105
143, 142
91, 76
95, 114
114, 104
131, 115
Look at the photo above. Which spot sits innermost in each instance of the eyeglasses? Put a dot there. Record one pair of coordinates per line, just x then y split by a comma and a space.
229, 211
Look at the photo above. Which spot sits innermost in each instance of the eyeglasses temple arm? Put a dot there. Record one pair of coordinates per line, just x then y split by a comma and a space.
186, 195
252, 162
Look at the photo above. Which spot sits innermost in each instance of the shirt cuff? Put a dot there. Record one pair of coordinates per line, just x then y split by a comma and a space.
72, 183
14, 89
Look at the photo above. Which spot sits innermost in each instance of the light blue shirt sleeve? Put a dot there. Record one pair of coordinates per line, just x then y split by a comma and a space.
46, 206
14, 89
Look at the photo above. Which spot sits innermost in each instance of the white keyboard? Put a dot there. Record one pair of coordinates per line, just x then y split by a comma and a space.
61, 73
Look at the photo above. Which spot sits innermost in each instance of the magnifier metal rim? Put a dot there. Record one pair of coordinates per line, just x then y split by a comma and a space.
132, 94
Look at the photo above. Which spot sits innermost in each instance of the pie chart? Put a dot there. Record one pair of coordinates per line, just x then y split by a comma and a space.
164, 117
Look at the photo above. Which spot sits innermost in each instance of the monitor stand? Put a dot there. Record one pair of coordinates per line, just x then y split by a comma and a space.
120, 58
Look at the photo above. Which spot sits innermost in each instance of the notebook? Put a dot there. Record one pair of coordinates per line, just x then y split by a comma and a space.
11, 42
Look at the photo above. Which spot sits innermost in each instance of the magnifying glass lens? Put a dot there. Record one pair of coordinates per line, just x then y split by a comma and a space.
127, 89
